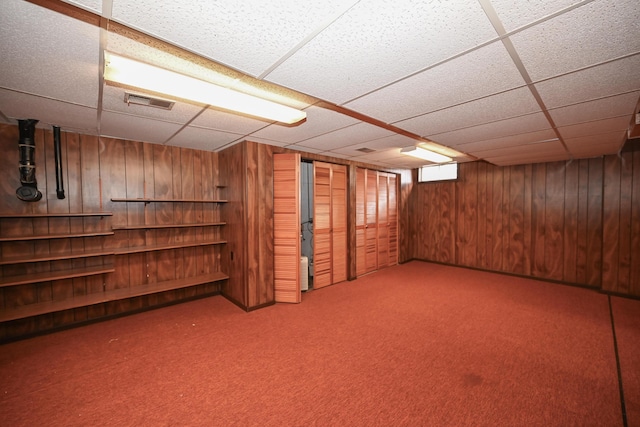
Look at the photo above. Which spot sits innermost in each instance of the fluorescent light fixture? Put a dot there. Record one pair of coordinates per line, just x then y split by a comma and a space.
147, 77
424, 154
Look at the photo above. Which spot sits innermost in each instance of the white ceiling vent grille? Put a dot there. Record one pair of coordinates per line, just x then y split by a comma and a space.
147, 101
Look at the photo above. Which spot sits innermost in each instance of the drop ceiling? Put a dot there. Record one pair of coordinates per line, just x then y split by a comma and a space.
503, 81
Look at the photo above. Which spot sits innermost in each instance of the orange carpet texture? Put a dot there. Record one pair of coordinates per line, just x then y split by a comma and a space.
418, 344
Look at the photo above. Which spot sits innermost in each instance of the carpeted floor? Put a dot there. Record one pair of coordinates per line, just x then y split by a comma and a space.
417, 344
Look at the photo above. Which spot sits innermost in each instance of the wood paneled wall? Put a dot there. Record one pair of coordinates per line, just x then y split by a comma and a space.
247, 170
96, 170
575, 222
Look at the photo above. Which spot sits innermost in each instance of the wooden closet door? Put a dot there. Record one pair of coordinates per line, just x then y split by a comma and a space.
321, 224
383, 220
338, 223
371, 229
393, 219
361, 221
286, 233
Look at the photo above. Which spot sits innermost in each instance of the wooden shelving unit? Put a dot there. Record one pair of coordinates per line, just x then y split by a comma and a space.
45, 307
9, 280
168, 200
161, 226
164, 247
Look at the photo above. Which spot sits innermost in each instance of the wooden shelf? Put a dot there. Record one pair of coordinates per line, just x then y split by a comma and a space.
56, 257
54, 215
169, 200
177, 245
55, 236
45, 307
48, 276
149, 227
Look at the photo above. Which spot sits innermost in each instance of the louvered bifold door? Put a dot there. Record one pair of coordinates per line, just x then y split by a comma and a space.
383, 220
338, 223
321, 224
361, 221
286, 219
371, 221
393, 219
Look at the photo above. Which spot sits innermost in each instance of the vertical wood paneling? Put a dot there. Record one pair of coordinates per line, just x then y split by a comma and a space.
497, 216
570, 236
634, 277
625, 233
539, 219
481, 253
595, 222
516, 220
582, 224
554, 221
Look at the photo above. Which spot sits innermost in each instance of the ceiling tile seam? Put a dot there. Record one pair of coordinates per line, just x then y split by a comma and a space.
600, 98
422, 70
76, 104
323, 26
493, 17
396, 122
185, 125
474, 48
587, 67
435, 135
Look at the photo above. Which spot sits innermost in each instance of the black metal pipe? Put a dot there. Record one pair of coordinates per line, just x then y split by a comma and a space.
28, 192
58, 157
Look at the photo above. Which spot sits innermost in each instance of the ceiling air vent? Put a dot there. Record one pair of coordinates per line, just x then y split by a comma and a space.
365, 150
147, 101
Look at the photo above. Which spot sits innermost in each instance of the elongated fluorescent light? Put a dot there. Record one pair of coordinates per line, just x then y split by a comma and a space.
424, 154
136, 74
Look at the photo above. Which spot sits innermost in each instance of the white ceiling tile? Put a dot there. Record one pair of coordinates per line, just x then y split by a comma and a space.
266, 141
613, 78
612, 106
481, 73
248, 35
304, 149
319, 121
503, 128
202, 139
593, 33
508, 141
113, 100
550, 147
587, 146
515, 14
58, 58
133, 128
92, 5
597, 127
355, 134
48, 111
505, 105
344, 61
528, 159
393, 141
228, 122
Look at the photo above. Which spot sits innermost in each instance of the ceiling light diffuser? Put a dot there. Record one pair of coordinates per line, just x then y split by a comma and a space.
147, 77
424, 154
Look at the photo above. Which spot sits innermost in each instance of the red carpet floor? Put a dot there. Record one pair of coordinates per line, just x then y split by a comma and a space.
412, 345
